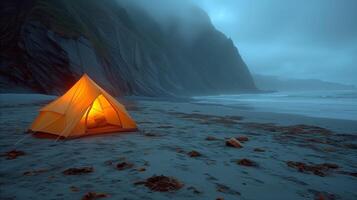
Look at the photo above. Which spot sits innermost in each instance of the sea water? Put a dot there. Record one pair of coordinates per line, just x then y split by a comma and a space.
341, 104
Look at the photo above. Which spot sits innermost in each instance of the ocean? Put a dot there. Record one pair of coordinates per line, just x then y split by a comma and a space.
341, 104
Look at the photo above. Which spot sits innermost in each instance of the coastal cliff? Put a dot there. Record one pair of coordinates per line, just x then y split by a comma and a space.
46, 45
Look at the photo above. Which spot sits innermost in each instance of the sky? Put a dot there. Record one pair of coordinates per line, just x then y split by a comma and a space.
305, 39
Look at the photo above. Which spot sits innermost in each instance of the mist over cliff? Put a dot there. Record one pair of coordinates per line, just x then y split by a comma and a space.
129, 48
283, 84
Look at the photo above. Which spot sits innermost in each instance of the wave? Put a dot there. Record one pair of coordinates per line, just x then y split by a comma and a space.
328, 104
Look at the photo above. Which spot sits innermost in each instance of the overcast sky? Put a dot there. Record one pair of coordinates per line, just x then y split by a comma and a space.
292, 38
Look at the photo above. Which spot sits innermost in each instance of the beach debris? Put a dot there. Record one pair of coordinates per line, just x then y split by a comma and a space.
94, 196
306, 129
165, 127
161, 183
317, 169
211, 138
225, 189
34, 172
320, 195
232, 142
247, 162
353, 174
194, 190
78, 171
141, 169
13, 154
74, 188
258, 150
150, 134
194, 153
242, 138
294, 129
124, 165
306, 136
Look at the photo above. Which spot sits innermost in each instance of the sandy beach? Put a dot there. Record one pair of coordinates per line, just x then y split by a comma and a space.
283, 156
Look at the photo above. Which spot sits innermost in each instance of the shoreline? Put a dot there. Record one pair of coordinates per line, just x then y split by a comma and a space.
185, 141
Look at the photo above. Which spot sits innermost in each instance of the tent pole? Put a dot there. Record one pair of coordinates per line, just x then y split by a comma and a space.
86, 119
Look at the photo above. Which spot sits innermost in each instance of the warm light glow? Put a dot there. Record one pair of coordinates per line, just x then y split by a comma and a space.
96, 109
96, 115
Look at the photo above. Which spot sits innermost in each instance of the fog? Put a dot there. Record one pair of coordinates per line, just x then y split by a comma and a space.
293, 39
173, 13
297, 39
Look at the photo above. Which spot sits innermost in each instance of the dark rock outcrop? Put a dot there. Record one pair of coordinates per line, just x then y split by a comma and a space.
46, 45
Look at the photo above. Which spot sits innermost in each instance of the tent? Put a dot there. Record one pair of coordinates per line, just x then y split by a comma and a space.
84, 109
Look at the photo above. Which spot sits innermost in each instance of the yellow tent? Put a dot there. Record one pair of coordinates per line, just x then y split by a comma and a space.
83, 110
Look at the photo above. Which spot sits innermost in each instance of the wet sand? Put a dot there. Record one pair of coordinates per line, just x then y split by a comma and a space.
283, 156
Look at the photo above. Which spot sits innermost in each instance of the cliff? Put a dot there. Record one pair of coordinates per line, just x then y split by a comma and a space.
46, 45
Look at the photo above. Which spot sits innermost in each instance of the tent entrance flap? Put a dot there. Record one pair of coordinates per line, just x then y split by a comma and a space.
101, 114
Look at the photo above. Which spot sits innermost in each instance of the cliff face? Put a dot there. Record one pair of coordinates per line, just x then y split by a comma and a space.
46, 45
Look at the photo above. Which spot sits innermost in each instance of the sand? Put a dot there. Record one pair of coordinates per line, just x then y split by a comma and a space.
169, 130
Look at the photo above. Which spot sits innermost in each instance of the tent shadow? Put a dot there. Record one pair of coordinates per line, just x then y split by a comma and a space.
49, 136
41, 135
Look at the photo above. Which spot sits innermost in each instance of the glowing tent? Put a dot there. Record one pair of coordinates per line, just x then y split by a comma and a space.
83, 110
